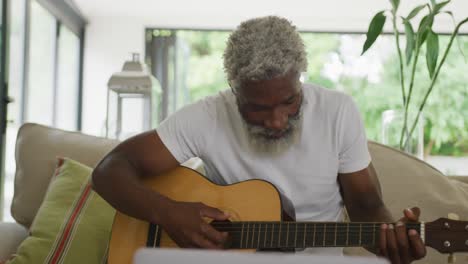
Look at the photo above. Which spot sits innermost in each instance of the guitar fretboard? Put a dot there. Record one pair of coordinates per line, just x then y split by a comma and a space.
270, 235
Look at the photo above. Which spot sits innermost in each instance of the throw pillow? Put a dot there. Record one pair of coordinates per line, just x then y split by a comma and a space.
72, 225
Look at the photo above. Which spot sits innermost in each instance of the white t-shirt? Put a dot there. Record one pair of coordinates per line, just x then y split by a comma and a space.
333, 141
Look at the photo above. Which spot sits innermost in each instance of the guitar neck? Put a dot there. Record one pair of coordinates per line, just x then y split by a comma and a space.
270, 235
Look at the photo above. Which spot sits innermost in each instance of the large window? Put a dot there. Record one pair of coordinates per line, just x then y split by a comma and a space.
66, 97
44, 71
53, 74
16, 76
41, 70
335, 63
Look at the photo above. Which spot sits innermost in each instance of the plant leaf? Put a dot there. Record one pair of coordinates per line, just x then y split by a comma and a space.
395, 4
424, 26
432, 52
439, 6
410, 40
433, 2
375, 29
415, 11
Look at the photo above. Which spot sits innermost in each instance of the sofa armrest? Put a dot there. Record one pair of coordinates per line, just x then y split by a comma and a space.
12, 236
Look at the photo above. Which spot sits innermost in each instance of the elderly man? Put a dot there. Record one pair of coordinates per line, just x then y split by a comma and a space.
308, 141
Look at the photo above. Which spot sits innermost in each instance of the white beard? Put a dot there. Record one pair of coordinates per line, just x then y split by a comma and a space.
260, 140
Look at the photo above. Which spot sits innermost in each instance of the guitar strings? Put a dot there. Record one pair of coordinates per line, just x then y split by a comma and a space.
217, 224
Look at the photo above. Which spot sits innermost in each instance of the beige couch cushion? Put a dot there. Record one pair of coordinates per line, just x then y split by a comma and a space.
12, 236
37, 147
407, 182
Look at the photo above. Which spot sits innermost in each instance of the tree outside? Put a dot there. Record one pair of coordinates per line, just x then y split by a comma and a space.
372, 80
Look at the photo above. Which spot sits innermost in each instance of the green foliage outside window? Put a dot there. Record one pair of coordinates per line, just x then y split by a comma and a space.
446, 112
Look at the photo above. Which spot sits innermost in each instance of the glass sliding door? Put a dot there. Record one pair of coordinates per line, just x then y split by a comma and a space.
44, 57
53, 73
4, 99
16, 66
40, 78
67, 89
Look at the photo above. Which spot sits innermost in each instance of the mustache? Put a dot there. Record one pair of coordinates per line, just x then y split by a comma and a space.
270, 133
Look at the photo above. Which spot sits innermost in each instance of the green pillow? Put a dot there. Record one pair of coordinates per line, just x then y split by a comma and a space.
73, 224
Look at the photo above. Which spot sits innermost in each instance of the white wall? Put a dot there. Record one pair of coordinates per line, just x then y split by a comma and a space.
108, 43
113, 33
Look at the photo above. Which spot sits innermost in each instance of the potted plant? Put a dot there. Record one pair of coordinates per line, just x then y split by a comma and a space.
415, 39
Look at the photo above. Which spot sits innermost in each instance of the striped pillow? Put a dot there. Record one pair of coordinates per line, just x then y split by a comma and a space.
73, 223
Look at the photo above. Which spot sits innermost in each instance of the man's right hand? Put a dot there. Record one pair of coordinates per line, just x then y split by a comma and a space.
184, 223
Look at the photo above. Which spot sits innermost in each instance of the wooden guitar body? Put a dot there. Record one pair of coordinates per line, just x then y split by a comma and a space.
262, 219
253, 200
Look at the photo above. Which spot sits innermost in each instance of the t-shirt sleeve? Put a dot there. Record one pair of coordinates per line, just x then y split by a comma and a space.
185, 133
353, 150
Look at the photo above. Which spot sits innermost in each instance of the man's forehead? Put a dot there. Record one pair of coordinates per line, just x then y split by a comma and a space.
288, 83
269, 96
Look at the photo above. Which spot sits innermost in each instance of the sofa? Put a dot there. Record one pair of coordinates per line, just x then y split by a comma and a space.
405, 180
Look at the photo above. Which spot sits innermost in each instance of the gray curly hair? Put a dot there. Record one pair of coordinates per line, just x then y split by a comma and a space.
262, 49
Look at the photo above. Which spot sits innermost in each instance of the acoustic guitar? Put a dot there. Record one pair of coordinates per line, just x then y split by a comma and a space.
263, 219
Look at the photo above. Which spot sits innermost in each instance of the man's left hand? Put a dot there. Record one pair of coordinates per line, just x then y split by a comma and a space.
399, 245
